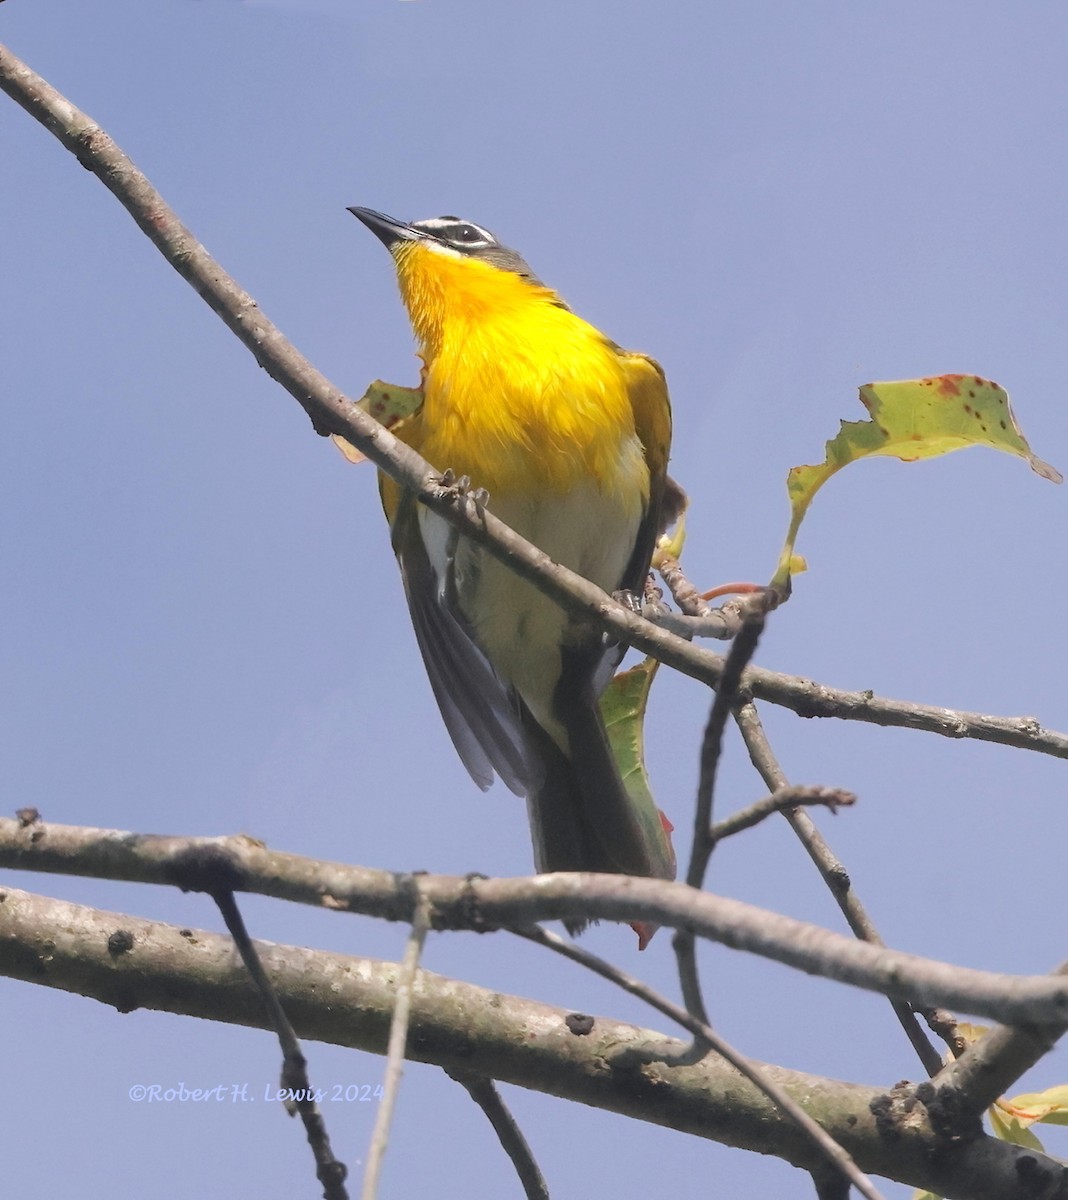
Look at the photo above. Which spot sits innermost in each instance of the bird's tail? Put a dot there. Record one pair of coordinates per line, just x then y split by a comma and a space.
582, 817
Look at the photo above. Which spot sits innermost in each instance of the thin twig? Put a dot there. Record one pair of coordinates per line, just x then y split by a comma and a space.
295, 1083
944, 1024
706, 1036
685, 947
738, 658
485, 1094
683, 592
721, 624
333, 412
808, 698
788, 797
398, 1041
741, 651
696, 617
833, 872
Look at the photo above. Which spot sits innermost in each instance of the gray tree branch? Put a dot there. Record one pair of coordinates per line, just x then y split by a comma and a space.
479, 903
990, 1066
332, 412
832, 871
621, 1068
1009, 999
706, 1040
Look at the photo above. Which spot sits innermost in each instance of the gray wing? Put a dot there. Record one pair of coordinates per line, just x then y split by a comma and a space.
479, 710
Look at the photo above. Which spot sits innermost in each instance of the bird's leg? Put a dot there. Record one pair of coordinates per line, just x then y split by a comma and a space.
452, 487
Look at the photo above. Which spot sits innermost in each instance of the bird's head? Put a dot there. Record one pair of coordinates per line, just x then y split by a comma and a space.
449, 268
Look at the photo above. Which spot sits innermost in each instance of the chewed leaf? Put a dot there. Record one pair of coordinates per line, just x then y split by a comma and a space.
921, 418
623, 705
389, 404
912, 419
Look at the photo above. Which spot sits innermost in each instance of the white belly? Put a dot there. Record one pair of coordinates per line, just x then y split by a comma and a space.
520, 630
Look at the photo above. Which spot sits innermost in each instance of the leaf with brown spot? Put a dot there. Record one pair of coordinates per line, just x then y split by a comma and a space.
912, 419
389, 404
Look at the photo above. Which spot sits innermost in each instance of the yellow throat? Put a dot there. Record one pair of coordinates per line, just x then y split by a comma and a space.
520, 394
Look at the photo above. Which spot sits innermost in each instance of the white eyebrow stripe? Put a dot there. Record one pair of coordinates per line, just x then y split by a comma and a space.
443, 227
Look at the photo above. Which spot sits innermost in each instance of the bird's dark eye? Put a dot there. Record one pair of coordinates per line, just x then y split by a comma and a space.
464, 236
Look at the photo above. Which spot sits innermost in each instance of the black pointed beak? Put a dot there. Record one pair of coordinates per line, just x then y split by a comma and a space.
388, 230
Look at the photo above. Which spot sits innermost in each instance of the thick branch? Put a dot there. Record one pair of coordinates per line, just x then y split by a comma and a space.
465, 903
332, 412
990, 1066
706, 1039
619, 1067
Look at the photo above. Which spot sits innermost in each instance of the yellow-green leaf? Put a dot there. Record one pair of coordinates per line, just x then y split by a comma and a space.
969, 1033
389, 404
623, 706
670, 543
1011, 1129
912, 419
1050, 1106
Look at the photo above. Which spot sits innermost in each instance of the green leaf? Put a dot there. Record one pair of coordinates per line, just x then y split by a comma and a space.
912, 419
623, 706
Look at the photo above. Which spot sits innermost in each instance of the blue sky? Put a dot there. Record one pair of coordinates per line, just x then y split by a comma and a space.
201, 626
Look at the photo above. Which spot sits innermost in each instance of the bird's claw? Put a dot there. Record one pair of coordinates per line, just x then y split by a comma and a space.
629, 600
453, 486
449, 481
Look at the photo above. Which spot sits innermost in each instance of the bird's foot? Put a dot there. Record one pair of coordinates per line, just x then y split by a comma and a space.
453, 486
629, 600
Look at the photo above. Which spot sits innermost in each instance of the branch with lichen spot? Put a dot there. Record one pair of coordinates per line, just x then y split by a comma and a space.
131, 963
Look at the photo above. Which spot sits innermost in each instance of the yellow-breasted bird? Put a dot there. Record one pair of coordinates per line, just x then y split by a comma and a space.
569, 434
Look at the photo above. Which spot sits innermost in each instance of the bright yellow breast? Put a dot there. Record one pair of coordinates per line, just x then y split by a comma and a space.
520, 394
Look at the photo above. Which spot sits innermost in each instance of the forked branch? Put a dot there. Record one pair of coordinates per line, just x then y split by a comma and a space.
331, 412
